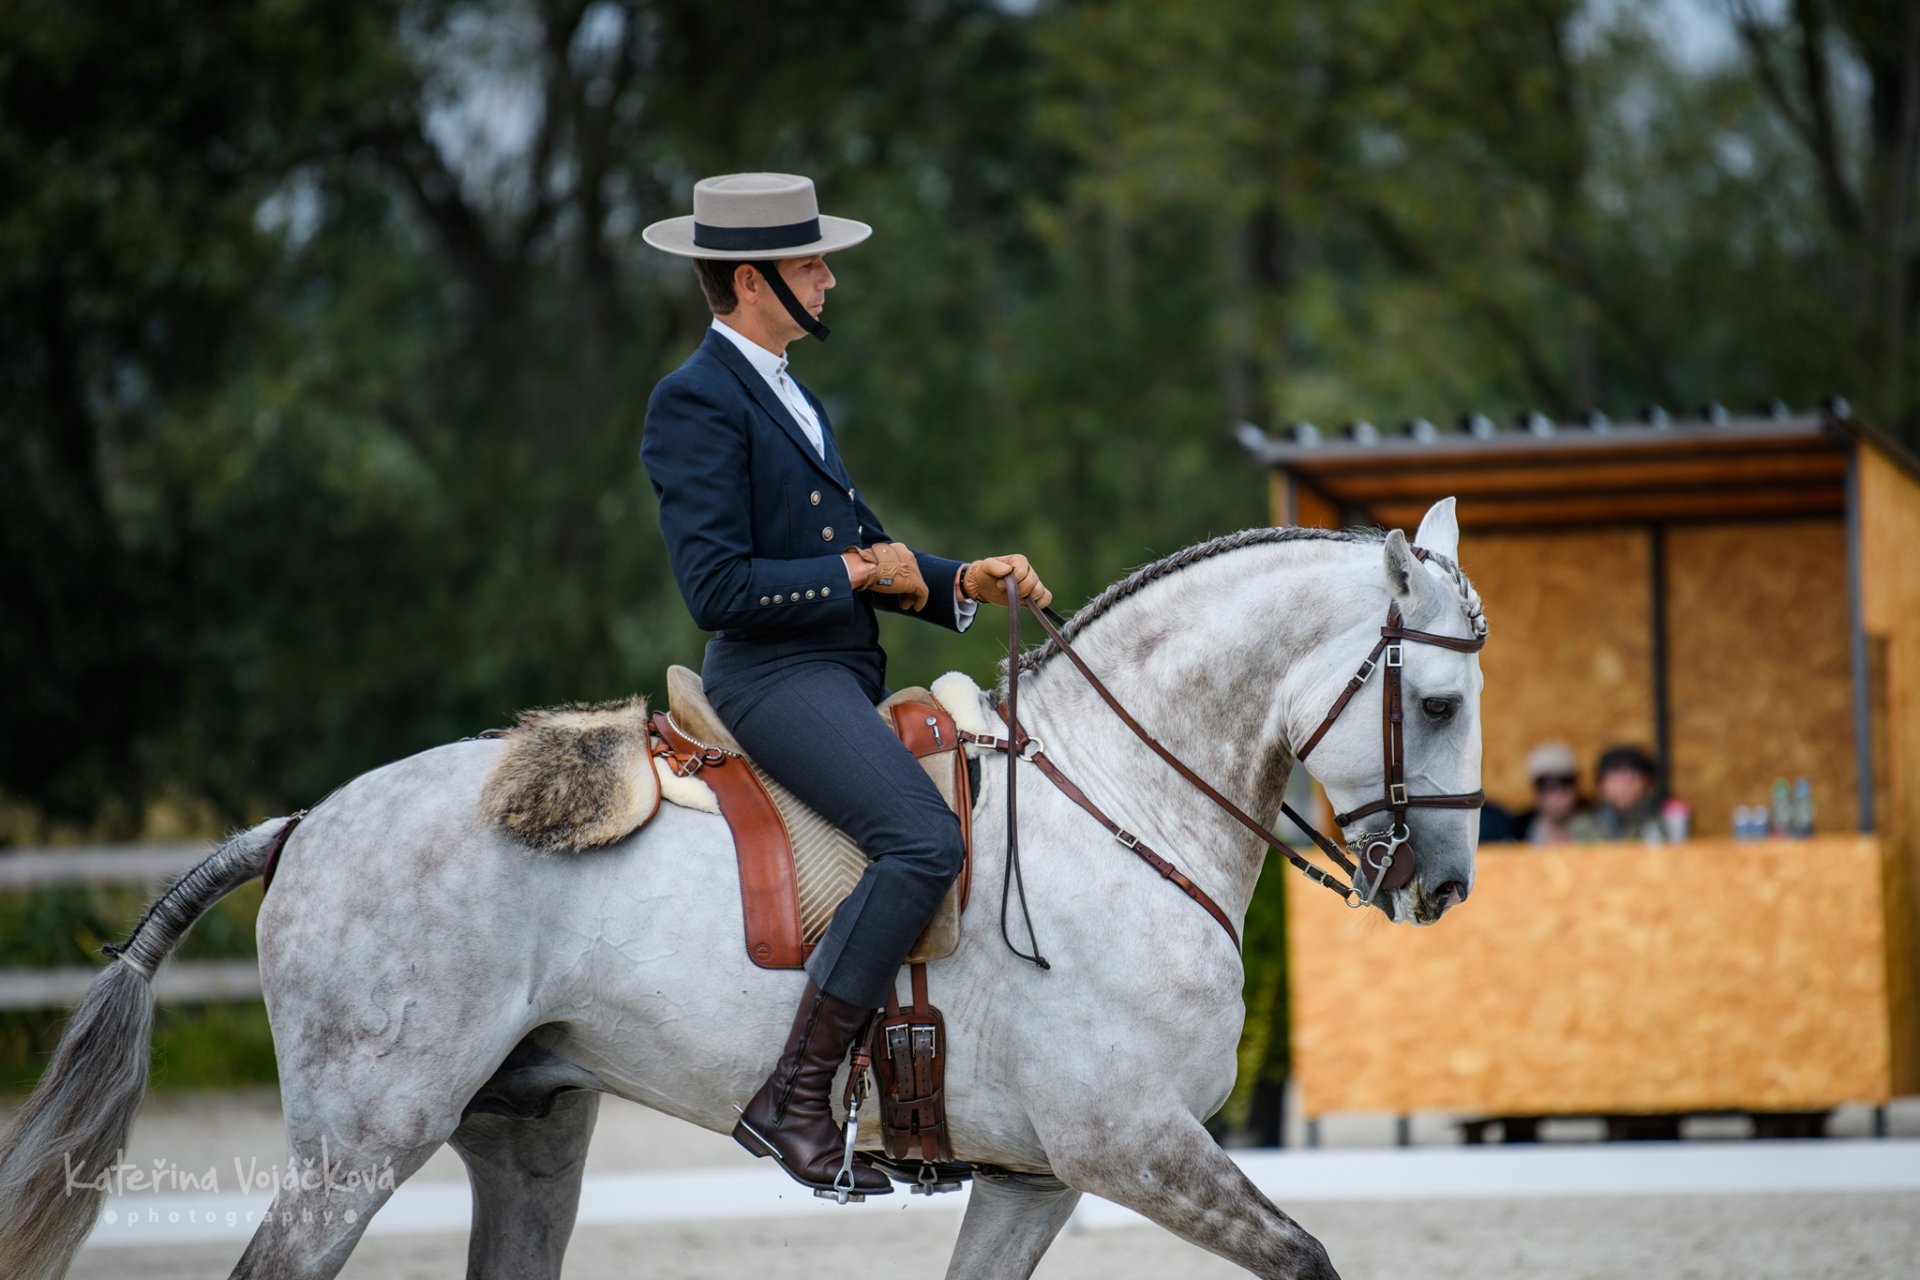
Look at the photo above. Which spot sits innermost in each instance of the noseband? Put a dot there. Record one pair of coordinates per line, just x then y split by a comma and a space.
1385, 859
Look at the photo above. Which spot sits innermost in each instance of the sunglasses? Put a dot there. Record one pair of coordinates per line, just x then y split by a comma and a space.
1551, 780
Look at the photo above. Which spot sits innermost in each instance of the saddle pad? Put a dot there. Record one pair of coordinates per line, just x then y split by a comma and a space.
820, 862
574, 777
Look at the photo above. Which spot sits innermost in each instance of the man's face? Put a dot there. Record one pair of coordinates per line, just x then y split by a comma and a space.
1558, 795
809, 278
1624, 787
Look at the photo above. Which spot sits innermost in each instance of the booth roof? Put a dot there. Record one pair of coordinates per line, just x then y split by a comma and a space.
1540, 473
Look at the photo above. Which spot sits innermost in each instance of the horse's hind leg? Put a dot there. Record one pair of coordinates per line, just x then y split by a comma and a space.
526, 1186
1174, 1173
1010, 1221
321, 1208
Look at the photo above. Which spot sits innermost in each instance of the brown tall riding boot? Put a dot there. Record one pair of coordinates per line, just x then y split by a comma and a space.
791, 1118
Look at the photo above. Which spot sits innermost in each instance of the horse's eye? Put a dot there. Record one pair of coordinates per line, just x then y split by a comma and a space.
1438, 708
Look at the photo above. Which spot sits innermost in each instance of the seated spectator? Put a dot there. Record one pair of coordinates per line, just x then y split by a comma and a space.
1556, 796
1629, 807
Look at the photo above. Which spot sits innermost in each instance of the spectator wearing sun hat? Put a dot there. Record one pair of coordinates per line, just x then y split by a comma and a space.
1555, 773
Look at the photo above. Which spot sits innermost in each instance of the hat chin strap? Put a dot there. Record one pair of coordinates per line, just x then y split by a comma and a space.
770, 272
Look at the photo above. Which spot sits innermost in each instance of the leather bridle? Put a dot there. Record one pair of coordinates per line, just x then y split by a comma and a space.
1385, 858
1380, 851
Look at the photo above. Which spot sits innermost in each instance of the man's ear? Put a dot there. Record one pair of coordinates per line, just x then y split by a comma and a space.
748, 283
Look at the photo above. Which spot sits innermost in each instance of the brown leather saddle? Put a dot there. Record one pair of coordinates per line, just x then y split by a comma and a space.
796, 869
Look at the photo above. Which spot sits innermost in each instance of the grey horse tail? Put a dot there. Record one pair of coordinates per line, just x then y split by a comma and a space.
56, 1156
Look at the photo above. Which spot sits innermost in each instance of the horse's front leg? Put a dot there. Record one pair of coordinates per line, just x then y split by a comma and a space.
1011, 1219
1169, 1169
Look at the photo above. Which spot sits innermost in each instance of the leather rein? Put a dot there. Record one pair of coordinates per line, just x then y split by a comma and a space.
1386, 855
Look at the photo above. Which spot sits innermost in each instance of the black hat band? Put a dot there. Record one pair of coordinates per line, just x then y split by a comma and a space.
791, 235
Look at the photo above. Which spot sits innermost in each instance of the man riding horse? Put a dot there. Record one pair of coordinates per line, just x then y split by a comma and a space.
777, 554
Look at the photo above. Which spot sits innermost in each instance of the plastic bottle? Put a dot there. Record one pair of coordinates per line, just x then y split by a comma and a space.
1780, 811
1801, 808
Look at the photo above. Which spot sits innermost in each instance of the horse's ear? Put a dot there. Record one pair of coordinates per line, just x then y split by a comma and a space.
1399, 563
1440, 530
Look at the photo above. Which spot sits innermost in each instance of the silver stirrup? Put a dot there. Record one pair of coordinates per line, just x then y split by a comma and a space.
930, 1183
843, 1192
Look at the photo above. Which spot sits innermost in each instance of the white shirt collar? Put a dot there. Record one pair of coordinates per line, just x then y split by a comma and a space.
769, 364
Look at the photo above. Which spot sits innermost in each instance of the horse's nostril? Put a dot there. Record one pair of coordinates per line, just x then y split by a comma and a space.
1452, 894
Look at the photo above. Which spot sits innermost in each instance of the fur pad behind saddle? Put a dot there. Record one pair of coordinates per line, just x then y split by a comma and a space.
574, 777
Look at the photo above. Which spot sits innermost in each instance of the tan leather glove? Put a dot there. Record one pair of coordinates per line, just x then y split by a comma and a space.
895, 573
985, 580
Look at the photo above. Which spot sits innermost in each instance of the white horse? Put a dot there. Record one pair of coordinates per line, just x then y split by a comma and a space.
429, 979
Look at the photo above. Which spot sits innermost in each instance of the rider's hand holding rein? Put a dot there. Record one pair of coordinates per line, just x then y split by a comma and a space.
985, 580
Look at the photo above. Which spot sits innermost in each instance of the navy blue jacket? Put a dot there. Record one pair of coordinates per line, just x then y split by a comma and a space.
755, 520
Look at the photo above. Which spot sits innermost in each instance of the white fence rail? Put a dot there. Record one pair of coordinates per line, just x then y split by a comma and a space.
151, 865
148, 866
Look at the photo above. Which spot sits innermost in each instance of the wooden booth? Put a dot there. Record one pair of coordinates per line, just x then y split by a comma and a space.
1742, 598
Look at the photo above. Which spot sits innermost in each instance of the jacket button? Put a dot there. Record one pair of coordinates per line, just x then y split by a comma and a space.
849, 493
814, 497
809, 595
764, 600
826, 534
826, 591
776, 599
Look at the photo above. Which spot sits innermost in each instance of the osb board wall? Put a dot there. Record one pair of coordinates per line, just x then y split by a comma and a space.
1759, 668
1889, 500
1604, 979
1569, 647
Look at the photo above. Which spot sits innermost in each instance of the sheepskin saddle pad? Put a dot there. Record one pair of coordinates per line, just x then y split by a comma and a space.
577, 777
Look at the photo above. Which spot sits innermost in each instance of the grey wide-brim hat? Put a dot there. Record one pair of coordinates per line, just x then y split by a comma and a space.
741, 216
1552, 760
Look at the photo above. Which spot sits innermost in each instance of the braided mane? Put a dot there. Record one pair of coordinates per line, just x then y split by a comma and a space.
1148, 574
